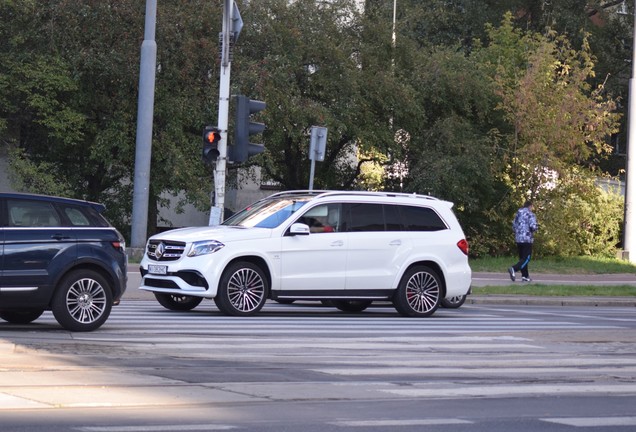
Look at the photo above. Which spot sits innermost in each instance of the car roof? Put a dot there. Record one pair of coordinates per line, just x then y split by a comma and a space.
97, 206
318, 194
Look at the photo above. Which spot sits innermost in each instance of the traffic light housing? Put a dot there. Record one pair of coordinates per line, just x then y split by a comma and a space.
211, 138
242, 148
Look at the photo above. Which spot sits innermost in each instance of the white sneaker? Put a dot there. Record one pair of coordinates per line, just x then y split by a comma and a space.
526, 279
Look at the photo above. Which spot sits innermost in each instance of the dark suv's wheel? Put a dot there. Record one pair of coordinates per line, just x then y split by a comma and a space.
178, 302
21, 316
82, 301
351, 305
418, 294
453, 302
242, 290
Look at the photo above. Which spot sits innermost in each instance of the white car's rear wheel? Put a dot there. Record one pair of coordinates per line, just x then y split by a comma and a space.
418, 294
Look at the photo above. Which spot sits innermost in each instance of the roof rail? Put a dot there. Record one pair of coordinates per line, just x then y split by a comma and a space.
322, 193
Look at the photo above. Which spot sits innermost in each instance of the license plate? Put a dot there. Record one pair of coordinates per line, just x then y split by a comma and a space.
157, 269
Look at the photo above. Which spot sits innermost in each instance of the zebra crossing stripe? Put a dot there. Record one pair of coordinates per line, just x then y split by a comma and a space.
394, 423
593, 421
158, 428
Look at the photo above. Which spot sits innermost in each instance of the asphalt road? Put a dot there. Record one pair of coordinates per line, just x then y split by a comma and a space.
302, 367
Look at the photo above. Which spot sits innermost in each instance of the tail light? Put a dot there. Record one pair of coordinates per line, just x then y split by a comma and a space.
463, 246
119, 245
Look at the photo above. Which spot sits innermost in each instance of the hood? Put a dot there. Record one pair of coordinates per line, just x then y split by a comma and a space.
221, 233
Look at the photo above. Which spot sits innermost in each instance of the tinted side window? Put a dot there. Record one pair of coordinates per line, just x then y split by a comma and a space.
24, 213
422, 219
393, 218
83, 216
365, 217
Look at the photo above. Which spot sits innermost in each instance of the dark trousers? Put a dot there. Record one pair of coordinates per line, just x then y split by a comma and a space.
525, 252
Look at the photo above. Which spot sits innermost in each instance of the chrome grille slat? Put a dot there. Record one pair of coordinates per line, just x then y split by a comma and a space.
171, 250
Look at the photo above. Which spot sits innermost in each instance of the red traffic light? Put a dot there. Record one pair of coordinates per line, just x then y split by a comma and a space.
212, 136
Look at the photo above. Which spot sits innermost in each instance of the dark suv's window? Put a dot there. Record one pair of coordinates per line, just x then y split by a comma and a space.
23, 213
83, 216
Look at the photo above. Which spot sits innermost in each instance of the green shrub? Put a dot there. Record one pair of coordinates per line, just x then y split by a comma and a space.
579, 218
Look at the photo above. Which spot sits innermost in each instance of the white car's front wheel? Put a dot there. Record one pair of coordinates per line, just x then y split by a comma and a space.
243, 289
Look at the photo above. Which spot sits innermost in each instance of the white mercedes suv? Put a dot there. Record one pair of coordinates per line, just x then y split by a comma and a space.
348, 247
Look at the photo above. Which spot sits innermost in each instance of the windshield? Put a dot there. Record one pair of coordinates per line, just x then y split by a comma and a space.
268, 213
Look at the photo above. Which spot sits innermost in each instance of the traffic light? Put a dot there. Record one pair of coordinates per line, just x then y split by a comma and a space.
242, 148
211, 138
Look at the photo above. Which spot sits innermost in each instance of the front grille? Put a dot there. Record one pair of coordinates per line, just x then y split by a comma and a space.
165, 250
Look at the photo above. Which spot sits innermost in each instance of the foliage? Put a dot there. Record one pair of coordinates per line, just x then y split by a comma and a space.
304, 59
554, 121
579, 218
68, 83
479, 114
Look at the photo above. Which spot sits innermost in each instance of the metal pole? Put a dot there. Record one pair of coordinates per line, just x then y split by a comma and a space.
216, 211
311, 174
145, 109
629, 244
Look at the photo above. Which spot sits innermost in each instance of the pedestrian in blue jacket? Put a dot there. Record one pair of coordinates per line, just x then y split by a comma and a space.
524, 227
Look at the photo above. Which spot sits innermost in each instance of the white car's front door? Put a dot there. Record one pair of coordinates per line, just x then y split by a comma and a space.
316, 261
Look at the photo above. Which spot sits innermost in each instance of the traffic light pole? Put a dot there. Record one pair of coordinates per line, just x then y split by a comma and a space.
216, 211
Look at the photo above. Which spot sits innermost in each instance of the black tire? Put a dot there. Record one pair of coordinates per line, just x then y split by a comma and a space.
21, 316
82, 301
351, 305
419, 292
285, 301
178, 302
452, 302
243, 289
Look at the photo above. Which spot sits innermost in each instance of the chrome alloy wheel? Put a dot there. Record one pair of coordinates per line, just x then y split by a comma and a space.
453, 302
246, 290
422, 292
86, 301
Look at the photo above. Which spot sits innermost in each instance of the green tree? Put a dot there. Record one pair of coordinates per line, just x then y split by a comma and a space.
68, 83
312, 64
556, 120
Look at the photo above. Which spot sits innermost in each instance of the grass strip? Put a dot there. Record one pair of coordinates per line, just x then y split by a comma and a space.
556, 265
536, 289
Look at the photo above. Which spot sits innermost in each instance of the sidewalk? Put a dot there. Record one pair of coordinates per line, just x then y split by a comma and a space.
500, 279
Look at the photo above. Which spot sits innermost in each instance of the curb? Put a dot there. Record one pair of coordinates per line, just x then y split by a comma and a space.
552, 301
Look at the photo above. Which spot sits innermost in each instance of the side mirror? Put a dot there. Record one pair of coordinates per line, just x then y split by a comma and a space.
299, 229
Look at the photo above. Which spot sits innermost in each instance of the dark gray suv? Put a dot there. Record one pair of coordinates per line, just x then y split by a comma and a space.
59, 254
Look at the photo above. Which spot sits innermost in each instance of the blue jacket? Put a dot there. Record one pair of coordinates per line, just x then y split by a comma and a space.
524, 225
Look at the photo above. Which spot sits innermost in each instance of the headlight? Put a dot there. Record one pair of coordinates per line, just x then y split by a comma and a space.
205, 247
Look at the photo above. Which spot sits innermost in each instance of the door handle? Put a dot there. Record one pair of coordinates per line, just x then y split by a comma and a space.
60, 237
395, 243
337, 243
